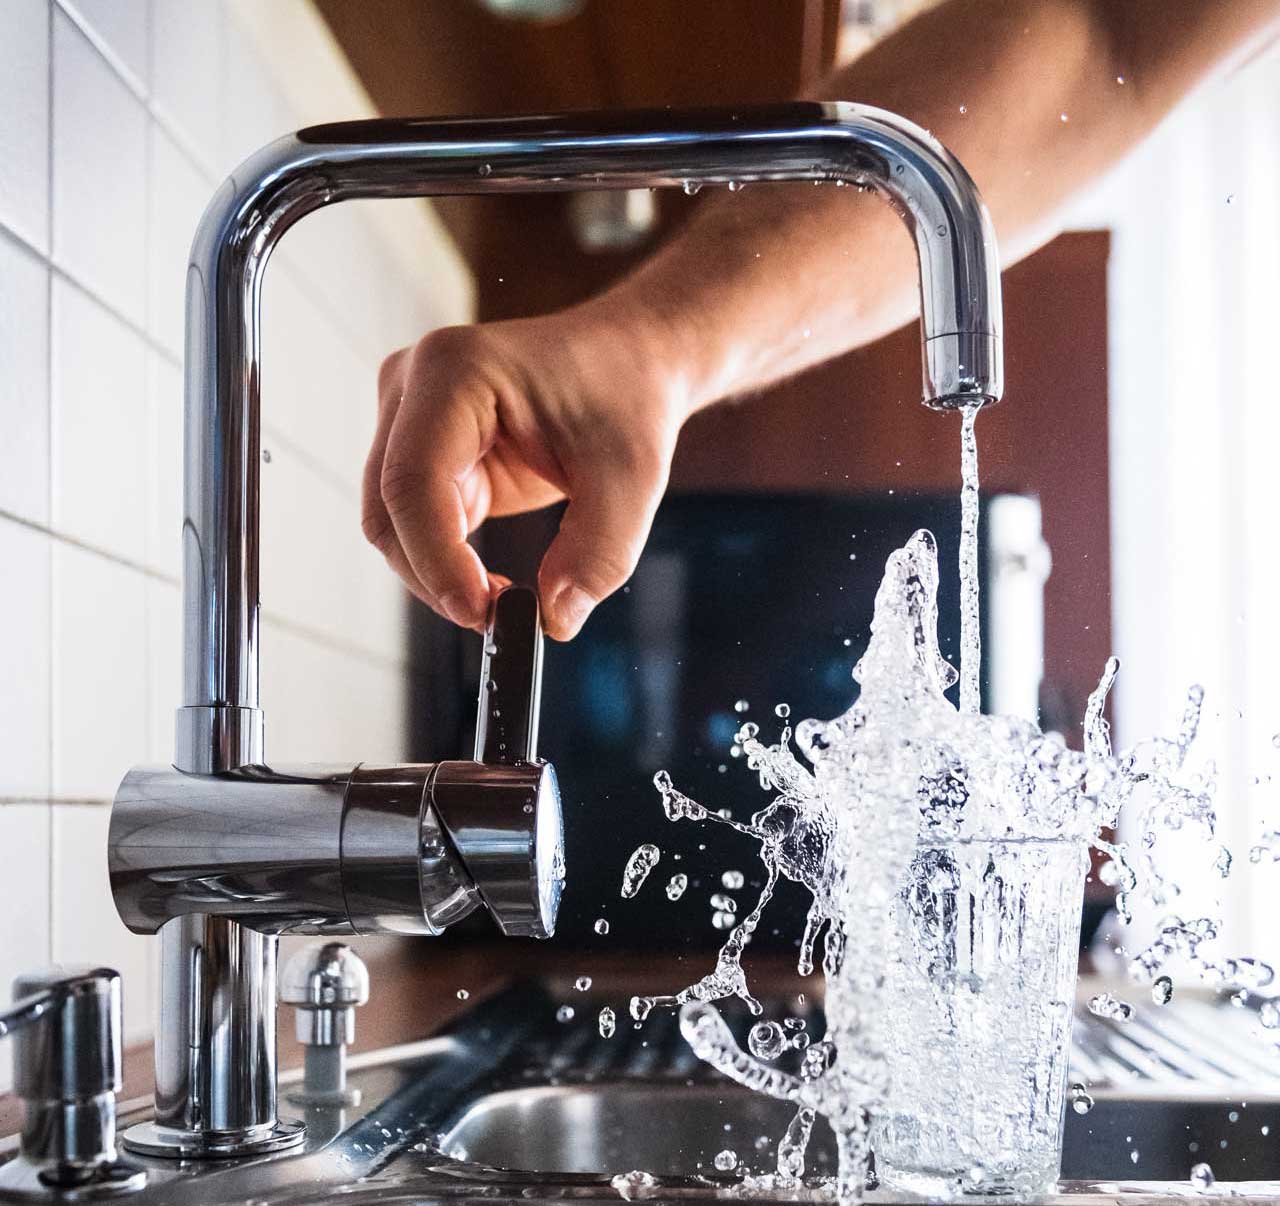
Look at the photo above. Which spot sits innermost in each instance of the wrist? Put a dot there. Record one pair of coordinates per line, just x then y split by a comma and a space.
666, 347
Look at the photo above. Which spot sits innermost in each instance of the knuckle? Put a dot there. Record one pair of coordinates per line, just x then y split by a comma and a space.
378, 530
388, 372
606, 571
400, 486
445, 346
649, 463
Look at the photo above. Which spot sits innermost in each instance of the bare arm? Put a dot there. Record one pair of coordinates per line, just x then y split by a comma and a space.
587, 403
777, 278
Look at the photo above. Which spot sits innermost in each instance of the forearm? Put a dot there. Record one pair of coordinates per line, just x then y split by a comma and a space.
768, 281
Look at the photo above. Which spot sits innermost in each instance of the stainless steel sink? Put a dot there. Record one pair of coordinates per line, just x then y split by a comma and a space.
1169, 1088
676, 1130
671, 1130
513, 1106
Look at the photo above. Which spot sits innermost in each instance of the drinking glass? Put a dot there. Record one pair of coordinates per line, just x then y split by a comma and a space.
980, 986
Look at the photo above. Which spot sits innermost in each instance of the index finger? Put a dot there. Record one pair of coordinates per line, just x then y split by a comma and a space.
432, 447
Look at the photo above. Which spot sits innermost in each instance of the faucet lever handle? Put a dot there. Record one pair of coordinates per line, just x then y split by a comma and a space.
502, 811
30, 1009
510, 679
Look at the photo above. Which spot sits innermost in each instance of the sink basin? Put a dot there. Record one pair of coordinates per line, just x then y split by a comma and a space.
676, 1131
671, 1130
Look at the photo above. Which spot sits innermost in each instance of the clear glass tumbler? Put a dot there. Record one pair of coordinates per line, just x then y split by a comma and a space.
980, 985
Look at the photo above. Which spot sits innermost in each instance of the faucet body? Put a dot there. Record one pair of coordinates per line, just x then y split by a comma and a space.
181, 861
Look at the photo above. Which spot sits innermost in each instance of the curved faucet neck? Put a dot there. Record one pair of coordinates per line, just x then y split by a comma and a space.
220, 725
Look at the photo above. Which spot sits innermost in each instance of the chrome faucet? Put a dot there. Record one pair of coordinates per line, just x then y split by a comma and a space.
221, 853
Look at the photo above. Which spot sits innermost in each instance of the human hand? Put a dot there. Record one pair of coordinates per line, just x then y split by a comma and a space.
500, 418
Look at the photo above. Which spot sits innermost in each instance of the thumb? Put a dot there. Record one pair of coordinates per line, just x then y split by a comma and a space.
611, 508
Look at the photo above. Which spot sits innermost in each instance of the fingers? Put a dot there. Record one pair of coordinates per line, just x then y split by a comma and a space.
610, 512
378, 529
430, 479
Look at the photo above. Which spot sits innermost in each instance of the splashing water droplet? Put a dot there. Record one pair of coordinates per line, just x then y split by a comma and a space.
1266, 848
676, 886
1201, 1177
607, 1022
1162, 990
582, 983
727, 1160
733, 880
691, 188
462, 994
643, 860
565, 1013
626, 1184
735, 186
766, 1040
1104, 1005
1080, 1098
1269, 1015
601, 926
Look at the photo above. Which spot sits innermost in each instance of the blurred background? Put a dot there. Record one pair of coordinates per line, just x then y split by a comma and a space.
1128, 476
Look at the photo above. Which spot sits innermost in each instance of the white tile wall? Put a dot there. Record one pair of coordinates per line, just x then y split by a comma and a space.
24, 665
24, 120
99, 174
99, 408
117, 119
187, 69
24, 920
24, 380
179, 193
119, 29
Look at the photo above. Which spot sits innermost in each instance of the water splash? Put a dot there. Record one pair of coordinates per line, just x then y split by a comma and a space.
904, 765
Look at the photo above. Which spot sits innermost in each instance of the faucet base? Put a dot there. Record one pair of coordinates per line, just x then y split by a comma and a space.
25, 1180
152, 1139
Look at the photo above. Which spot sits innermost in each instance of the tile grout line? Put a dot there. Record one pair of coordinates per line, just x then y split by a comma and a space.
47, 529
100, 44
52, 802
149, 386
50, 853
